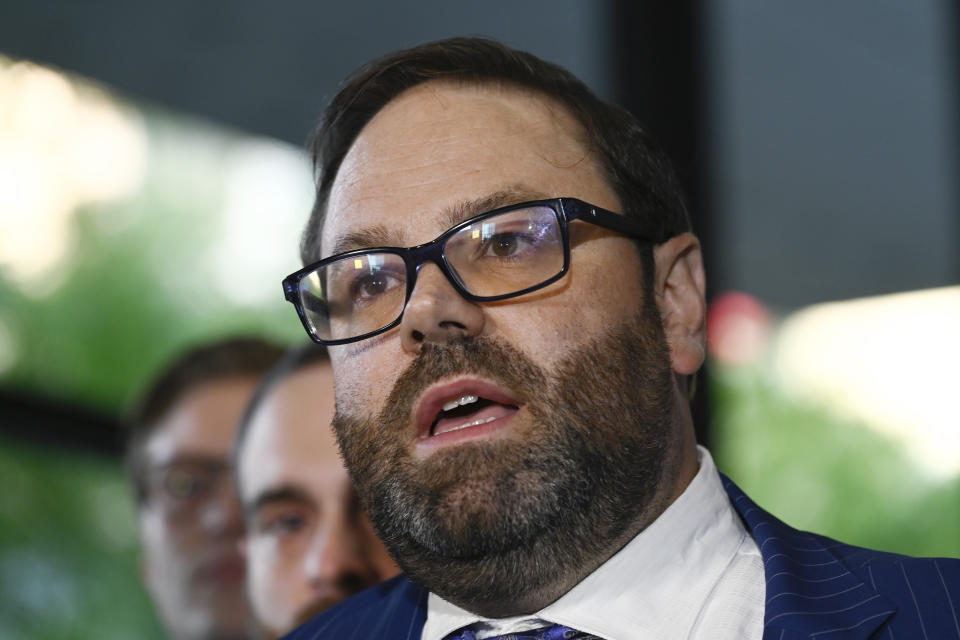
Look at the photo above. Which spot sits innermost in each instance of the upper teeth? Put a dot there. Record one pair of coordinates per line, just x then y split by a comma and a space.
459, 402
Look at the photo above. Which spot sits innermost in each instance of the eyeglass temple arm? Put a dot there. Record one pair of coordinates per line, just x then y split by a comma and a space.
580, 210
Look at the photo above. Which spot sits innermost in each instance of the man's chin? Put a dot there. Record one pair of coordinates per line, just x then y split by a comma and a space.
229, 615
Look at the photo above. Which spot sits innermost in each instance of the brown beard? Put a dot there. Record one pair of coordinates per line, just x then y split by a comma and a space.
487, 523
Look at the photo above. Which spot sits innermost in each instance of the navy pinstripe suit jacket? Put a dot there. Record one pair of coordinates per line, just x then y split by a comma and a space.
817, 589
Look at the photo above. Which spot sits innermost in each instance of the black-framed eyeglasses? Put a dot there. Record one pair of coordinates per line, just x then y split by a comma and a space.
184, 484
501, 254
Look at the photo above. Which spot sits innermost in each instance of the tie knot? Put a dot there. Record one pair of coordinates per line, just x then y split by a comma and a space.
552, 632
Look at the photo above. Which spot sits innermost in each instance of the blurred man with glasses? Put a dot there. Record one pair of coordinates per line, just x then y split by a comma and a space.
179, 460
503, 267
308, 543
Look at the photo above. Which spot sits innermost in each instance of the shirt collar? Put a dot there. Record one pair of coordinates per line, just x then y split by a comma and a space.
678, 558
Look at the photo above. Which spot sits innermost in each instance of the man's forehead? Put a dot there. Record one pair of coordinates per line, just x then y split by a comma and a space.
291, 424
440, 149
281, 449
202, 422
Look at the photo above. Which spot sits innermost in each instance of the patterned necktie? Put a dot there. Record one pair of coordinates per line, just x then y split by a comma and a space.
553, 632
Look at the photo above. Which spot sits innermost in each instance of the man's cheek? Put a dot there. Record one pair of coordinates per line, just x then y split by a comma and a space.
352, 398
362, 376
546, 338
351, 381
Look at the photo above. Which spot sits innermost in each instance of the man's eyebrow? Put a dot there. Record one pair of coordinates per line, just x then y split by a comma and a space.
380, 236
377, 236
192, 459
467, 209
285, 493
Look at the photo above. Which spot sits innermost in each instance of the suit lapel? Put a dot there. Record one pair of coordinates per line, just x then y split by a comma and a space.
404, 613
810, 592
392, 610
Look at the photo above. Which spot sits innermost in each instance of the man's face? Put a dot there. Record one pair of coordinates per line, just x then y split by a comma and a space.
190, 521
309, 543
570, 447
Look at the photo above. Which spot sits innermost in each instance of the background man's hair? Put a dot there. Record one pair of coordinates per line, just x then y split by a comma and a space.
295, 359
636, 167
234, 357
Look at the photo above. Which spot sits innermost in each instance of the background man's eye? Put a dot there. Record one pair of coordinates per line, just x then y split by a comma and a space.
285, 523
181, 484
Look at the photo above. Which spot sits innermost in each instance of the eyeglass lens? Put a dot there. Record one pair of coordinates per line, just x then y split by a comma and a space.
494, 256
184, 484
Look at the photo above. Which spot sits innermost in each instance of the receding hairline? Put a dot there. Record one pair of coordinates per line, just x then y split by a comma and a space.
562, 114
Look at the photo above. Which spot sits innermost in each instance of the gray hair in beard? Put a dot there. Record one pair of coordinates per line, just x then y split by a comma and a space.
492, 521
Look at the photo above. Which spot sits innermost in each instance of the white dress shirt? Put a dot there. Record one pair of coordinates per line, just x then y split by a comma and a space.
694, 573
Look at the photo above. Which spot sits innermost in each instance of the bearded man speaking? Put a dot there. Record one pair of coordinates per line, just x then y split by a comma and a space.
503, 268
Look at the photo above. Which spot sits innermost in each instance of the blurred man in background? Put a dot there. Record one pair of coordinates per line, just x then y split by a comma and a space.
309, 544
179, 460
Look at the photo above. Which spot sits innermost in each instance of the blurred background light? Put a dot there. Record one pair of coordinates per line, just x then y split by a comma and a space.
888, 361
738, 328
268, 190
63, 145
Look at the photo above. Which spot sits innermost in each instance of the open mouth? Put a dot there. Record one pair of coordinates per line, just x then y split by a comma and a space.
466, 406
469, 410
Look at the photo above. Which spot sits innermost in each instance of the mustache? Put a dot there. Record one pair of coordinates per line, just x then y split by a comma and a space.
483, 356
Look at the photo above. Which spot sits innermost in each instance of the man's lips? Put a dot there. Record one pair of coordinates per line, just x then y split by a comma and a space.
222, 571
462, 405
482, 413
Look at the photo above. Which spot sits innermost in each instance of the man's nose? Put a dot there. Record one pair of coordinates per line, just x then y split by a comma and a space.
334, 557
435, 312
223, 513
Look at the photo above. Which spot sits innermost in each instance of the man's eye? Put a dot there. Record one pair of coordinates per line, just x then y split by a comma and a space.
183, 485
284, 523
506, 245
373, 285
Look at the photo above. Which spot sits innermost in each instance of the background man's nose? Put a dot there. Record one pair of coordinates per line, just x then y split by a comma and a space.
223, 513
436, 312
334, 557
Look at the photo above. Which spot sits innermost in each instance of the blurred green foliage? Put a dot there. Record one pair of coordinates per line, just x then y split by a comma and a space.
825, 474
68, 549
137, 287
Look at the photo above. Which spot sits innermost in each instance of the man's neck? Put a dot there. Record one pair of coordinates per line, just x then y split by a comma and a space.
672, 487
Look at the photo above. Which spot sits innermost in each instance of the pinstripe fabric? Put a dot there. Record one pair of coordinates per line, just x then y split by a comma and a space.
394, 609
817, 589
821, 589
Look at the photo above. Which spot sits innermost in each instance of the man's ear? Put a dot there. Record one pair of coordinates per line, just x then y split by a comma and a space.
680, 289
